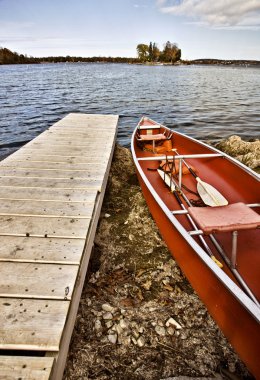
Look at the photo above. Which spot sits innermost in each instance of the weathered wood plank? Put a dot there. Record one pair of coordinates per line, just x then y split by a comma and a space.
27, 324
44, 250
79, 151
49, 173
53, 166
35, 280
25, 367
43, 208
88, 121
50, 195
72, 138
41, 227
71, 145
55, 159
51, 183
70, 132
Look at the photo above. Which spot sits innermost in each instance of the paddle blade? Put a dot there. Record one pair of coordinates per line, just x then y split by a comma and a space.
167, 179
210, 195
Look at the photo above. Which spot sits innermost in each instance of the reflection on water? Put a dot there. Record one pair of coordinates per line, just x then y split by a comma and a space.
205, 102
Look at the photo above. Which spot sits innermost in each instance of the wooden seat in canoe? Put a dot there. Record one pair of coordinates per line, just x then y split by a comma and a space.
154, 138
157, 137
230, 218
234, 217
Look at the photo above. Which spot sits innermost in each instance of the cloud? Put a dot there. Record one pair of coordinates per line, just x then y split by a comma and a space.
231, 14
140, 6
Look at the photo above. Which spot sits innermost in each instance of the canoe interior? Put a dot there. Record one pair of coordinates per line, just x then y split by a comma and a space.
236, 184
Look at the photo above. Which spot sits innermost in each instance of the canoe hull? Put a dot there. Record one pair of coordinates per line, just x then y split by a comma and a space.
243, 333
237, 316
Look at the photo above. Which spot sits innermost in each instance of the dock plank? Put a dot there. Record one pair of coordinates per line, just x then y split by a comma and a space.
43, 208
28, 155
40, 227
88, 135
44, 165
88, 121
25, 367
28, 280
50, 195
43, 250
54, 183
31, 324
47, 173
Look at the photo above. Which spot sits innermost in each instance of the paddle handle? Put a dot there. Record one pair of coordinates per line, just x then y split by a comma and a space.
191, 170
178, 198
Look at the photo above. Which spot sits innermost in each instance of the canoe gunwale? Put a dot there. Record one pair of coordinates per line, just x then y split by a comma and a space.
224, 155
234, 289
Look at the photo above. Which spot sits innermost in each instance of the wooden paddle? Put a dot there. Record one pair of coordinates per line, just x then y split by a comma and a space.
208, 193
172, 185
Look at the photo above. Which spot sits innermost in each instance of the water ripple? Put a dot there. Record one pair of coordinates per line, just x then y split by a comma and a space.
205, 102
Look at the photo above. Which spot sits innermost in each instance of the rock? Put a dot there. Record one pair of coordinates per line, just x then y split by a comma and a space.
107, 215
108, 315
147, 285
124, 340
123, 323
140, 341
246, 152
134, 340
160, 330
107, 307
118, 329
112, 338
171, 330
172, 322
109, 324
135, 334
98, 325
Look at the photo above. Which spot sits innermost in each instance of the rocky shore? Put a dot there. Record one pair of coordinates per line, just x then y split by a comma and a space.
139, 319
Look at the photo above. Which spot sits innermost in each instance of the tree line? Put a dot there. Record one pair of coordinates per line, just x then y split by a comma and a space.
146, 53
9, 57
151, 53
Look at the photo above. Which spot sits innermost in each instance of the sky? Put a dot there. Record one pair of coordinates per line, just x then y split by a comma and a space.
222, 29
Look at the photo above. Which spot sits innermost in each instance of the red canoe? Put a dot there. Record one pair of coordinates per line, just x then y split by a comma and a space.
206, 206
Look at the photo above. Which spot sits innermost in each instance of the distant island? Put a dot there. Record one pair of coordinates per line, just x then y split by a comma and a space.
147, 55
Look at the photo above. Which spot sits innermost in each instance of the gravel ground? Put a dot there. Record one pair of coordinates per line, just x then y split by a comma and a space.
139, 319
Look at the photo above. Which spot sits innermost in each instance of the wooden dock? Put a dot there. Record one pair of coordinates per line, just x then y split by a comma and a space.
51, 192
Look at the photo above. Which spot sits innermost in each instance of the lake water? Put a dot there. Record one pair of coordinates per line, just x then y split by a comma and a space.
206, 102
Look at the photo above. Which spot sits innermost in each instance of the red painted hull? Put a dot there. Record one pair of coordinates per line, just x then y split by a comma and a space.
238, 323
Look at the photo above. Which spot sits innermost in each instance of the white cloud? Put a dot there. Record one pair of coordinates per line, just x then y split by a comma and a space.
237, 14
